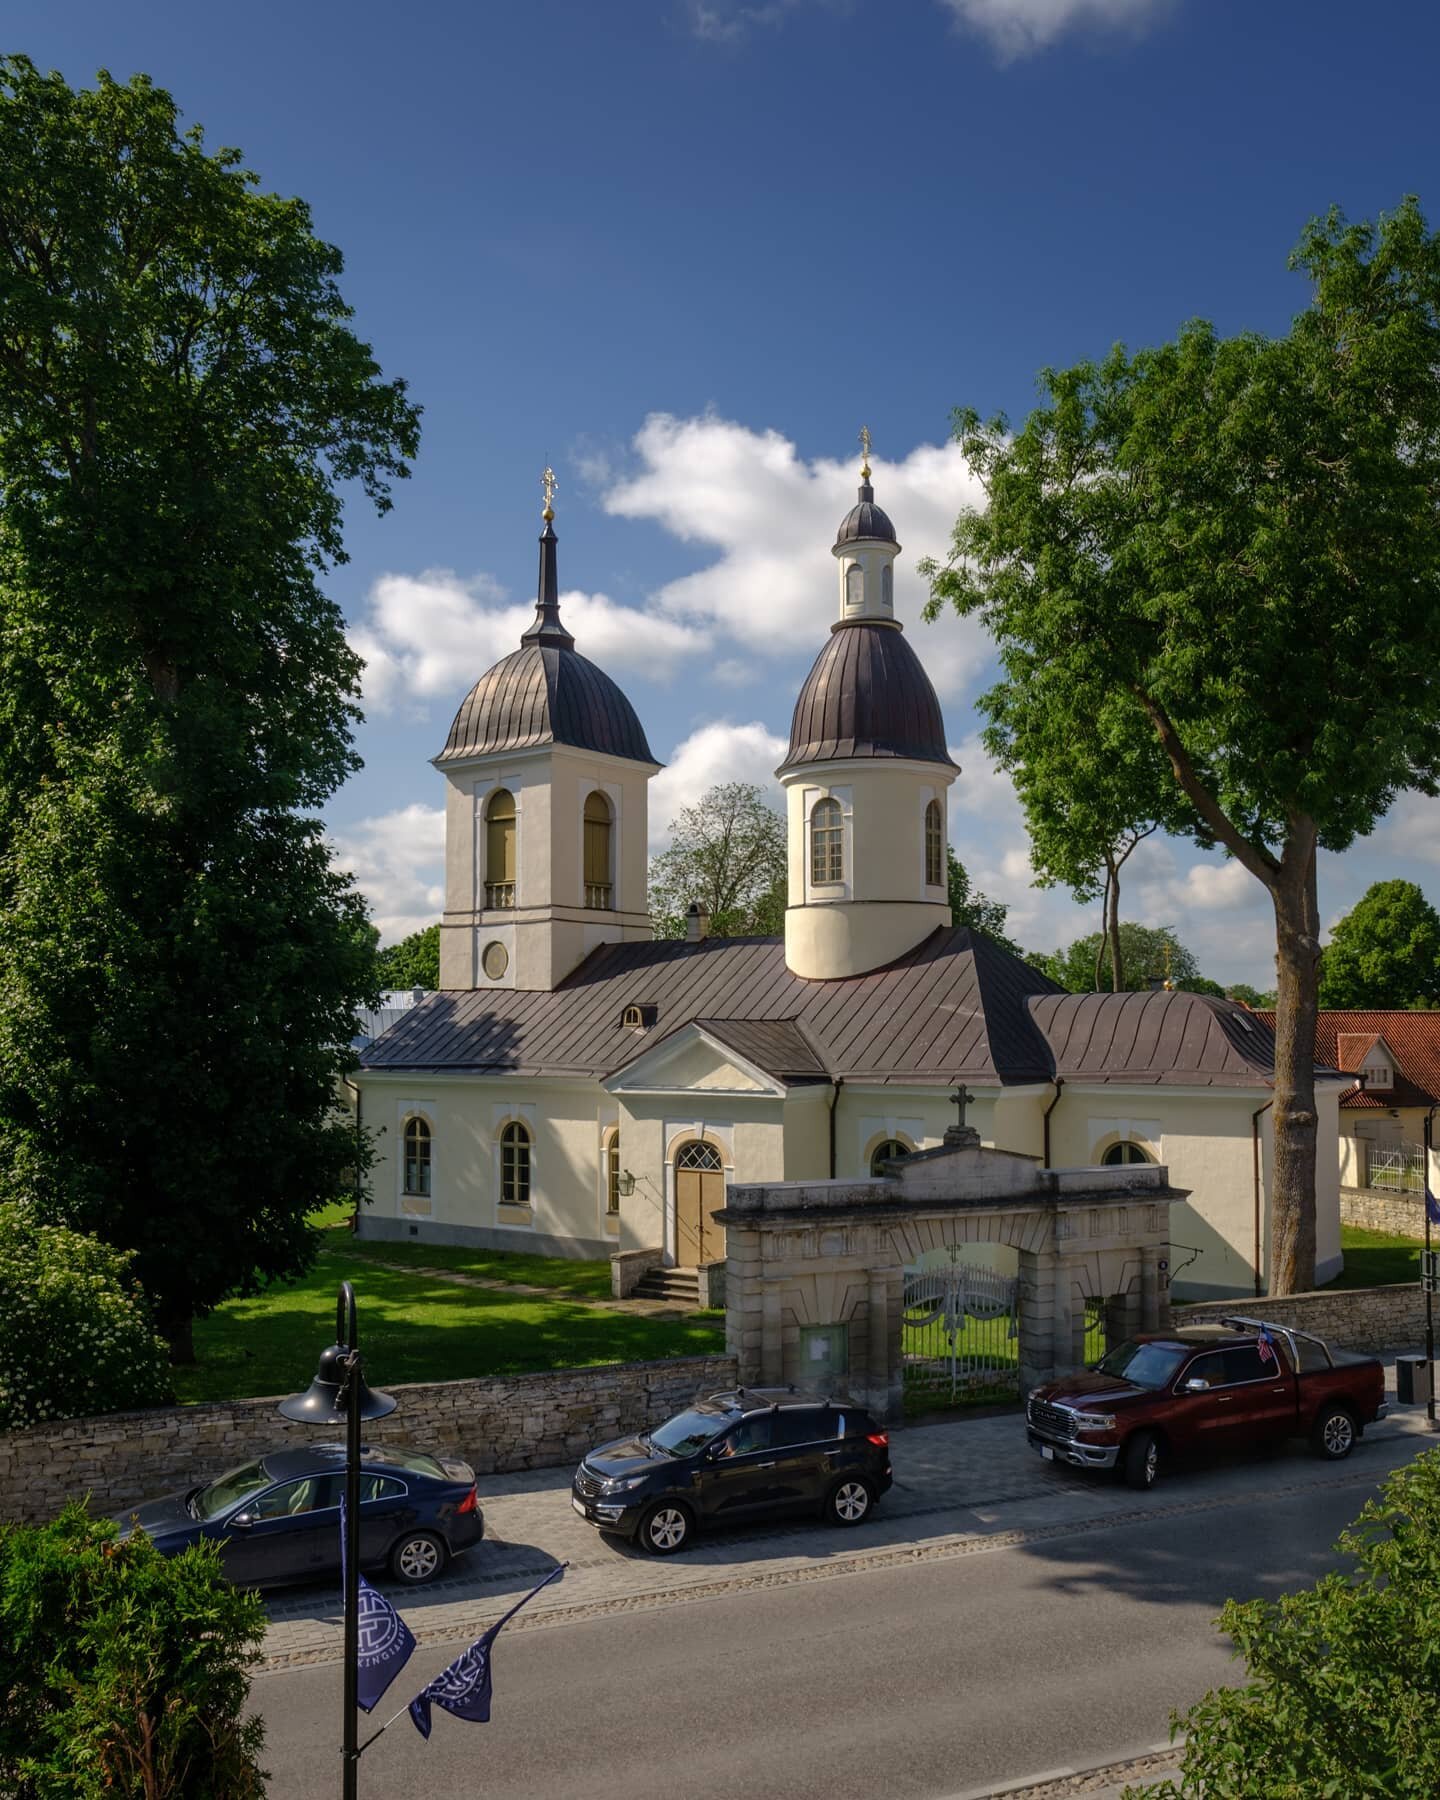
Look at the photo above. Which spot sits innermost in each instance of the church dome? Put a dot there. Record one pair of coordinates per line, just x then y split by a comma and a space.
867, 696
546, 693
866, 520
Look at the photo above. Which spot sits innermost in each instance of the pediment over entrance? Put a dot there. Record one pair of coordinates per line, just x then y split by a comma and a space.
694, 1060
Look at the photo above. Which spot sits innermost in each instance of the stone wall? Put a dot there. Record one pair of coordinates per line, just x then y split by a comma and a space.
515, 1422
1366, 1319
1383, 1209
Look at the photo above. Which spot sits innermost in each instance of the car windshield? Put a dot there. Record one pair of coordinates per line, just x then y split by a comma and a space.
1147, 1365
689, 1431
230, 1489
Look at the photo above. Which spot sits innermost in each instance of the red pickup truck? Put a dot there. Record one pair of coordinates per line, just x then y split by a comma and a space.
1233, 1386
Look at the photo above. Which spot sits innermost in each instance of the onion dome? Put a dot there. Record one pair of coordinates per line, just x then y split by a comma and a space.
546, 692
865, 519
867, 696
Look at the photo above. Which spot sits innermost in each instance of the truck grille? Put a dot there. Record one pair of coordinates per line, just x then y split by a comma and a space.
587, 1486
1054, 1421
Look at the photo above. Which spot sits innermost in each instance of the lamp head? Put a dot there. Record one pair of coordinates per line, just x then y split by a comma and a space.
327, 1399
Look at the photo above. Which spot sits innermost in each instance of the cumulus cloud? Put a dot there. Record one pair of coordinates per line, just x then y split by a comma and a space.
714, 753
398, 861
1017, 28
434, 633
771, 515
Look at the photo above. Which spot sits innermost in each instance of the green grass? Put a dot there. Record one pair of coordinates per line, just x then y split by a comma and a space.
416, 1328
583, 1280
1376, 1259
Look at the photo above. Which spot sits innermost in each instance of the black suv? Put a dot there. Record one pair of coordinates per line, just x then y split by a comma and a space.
738, 1455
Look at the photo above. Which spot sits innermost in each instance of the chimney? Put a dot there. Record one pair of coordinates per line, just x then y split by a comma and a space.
697, 923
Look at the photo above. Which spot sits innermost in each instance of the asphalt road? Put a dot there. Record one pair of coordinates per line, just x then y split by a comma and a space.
911, 1683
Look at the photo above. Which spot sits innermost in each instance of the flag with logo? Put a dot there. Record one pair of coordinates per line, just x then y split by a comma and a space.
385, 1639
464, 1687
1265, 1344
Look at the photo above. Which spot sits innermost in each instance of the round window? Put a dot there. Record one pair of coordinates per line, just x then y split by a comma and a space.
495, 960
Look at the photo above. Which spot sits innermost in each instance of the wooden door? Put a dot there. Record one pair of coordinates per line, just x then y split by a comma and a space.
699, 1193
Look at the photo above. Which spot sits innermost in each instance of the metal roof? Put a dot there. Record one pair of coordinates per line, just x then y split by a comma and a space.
867, 696
781, 1047
866, 520
1167, 1038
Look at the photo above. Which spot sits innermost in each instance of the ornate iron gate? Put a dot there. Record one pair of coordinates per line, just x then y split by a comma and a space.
960, 1336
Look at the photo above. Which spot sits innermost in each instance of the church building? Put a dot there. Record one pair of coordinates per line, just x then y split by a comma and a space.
579, 1088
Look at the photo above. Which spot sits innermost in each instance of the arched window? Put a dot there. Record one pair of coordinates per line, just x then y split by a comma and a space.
827, 836
612, 1172
515, 1165
934, 845
417, 1158
892, 1150
500, 849
597, 851
1119, 1154
704, 1157
887, 588
855, 588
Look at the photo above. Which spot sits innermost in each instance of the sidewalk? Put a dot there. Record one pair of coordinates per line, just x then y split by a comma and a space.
961, 1488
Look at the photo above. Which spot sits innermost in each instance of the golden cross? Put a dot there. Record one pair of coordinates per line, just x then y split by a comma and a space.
547, 482
865, 447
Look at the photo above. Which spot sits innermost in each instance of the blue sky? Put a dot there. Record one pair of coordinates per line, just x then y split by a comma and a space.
681, 250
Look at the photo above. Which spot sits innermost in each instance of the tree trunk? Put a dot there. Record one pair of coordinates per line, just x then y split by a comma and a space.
179, 1333
1297, 966
1102, 941
1112, 924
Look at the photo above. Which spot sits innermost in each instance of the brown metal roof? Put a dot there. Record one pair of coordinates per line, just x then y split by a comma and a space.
1168, 1039
954, 1007
867, 696
866, 520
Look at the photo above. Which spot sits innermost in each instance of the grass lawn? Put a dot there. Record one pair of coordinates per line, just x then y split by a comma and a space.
584, 1280
1376, 1259
415, 1328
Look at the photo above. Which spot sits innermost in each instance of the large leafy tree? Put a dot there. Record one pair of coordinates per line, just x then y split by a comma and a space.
1235, 543
412, 963
728, 854
968, 906
1148, 953
1384, 952
182, 404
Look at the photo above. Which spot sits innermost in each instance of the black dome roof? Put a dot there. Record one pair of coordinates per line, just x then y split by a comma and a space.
867, 695
546, 693
866, 520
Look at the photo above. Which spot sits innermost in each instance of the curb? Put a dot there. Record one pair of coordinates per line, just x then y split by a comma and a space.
1139, 1765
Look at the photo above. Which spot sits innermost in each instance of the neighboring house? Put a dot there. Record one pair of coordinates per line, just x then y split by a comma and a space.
1392, 1060
576, 1087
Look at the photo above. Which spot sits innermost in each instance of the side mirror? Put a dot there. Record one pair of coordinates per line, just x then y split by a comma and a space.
1197, 1384
242, 1521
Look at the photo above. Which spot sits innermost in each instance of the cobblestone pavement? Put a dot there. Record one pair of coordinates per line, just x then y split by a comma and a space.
961, 1488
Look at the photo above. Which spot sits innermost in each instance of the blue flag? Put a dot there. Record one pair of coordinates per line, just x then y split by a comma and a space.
464, 1687
385, 1639
1432, 1207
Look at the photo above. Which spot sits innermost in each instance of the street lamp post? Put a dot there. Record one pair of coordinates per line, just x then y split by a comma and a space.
339, 1393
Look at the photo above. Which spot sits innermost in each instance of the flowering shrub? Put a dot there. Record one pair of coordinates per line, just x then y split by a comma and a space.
75, 1332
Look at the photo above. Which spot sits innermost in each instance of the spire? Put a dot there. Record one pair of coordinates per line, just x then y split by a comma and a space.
547, 628
865, 463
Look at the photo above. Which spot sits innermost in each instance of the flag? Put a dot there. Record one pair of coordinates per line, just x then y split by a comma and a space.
1265, 1344
385, 1639
464, 1687
1432, 1208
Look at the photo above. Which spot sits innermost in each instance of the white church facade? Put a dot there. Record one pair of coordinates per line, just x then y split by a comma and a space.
577, 1087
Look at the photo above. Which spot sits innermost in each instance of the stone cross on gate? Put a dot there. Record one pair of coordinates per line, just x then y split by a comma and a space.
960, 1135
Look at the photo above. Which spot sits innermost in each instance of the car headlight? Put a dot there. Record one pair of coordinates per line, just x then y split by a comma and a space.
620, 1485
1094, 1421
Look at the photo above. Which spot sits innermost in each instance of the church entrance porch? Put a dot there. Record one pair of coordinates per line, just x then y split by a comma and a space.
699, 1196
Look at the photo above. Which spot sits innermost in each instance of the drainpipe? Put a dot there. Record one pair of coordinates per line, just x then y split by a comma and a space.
1255, 1156
1045, 1122
359, 1093
836, 1085
1430, 1424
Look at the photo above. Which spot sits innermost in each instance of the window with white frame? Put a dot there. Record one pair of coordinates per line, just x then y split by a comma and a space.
417, 1158
934, 845
612, 1171
515, 1164
827, 843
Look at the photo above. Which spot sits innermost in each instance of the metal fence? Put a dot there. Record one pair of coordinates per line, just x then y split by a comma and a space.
960, 1335
1400, 1167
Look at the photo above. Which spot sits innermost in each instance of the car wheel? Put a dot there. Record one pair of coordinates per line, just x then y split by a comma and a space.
1141, 1462
849, 1501
418, 1557
665, 1528
1334, 1435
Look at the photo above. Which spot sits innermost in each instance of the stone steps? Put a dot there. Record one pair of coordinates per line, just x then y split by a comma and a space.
680, 1287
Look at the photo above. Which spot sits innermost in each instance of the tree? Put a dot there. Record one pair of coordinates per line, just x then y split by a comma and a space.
1385, 952
1147, 953
973, 909
75, 1332
1235, 543
182, 402
1249, 996
125, 1671
1344, 1674
727, 853
412, 963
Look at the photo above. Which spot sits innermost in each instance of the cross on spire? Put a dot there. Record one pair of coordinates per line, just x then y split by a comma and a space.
548, 484
865, 449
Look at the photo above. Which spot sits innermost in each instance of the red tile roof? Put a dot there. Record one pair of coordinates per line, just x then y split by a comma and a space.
1342, 1038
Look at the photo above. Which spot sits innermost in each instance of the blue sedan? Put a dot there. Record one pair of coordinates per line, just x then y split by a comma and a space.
277, 1519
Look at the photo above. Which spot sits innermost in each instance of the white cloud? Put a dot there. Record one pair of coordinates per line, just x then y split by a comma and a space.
712, 754
772, 517
1017, 28
398, 861
436, 633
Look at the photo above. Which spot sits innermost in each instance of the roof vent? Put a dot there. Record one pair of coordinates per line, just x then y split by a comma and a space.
639, 1018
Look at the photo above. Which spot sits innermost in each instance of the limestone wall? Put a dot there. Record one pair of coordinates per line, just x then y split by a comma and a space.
1365, 1319
515, 1422
1383, 1209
